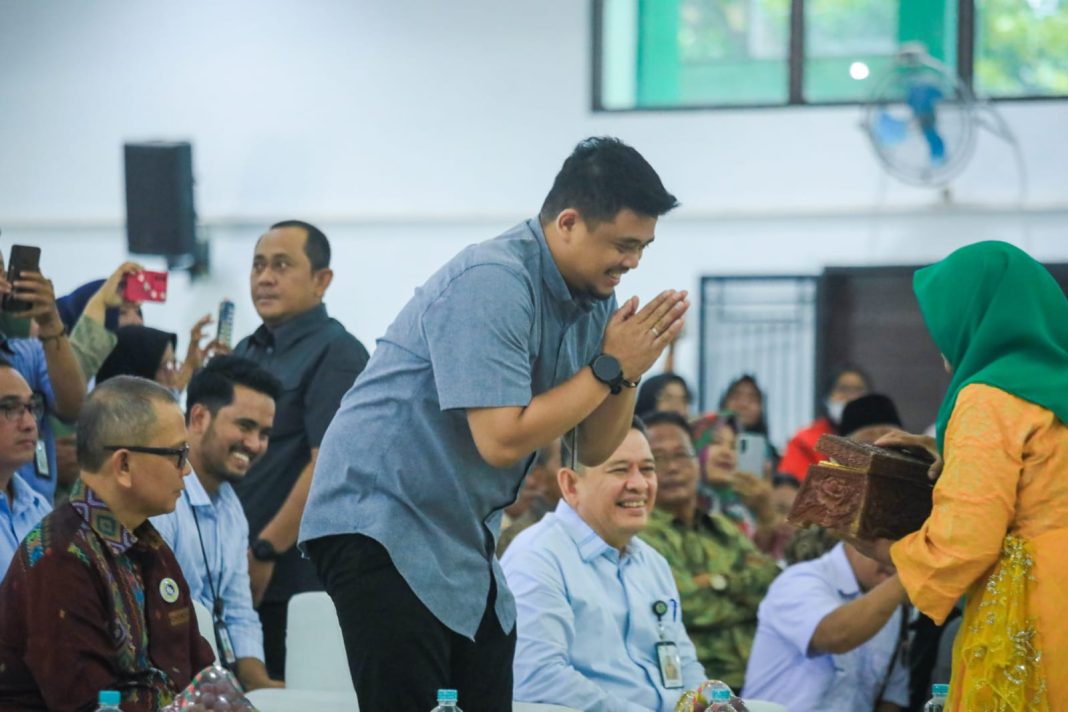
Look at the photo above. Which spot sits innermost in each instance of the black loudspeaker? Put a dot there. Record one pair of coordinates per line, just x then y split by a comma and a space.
160, 218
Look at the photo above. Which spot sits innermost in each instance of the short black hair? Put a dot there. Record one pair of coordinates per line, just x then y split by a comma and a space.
213, 385
638, 424
316, 247
780, 479
602, 176
668, 417
120, 411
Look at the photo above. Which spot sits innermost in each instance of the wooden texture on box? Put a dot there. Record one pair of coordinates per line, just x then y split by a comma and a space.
867, 492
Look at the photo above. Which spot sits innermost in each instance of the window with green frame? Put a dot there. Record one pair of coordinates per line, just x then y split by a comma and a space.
666, 54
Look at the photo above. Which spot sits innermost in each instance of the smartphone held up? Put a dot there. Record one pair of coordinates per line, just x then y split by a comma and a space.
225, 333
23, 258
145, 286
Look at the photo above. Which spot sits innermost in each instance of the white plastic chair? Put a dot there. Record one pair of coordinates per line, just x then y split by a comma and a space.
205, 625
315, 650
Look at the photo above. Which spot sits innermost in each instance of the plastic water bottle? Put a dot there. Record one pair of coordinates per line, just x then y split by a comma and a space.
108, 701
446, 702
938, 698
721, 700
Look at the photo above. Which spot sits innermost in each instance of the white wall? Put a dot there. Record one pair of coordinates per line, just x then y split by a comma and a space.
413, 127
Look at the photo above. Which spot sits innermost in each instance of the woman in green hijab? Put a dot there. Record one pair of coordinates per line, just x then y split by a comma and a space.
998, 531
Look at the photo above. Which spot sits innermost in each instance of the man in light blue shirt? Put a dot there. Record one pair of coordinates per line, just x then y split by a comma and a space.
513, 343
585, 589
230, 408
20, 506
828, 637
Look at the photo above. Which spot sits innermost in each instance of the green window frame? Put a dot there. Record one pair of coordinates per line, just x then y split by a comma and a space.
640, 65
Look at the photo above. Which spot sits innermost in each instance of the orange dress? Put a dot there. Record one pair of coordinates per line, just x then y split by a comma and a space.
998, 534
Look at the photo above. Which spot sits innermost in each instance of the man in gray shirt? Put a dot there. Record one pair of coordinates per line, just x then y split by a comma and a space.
513, 343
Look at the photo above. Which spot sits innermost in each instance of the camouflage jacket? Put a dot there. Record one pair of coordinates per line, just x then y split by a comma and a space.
722, 578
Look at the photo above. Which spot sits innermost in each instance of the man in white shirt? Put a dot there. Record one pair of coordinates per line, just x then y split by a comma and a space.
229, 413
828, 637
598, 617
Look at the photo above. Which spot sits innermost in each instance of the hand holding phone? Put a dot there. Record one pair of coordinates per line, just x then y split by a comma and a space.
145, 286
24, 258
224, 334
752, 451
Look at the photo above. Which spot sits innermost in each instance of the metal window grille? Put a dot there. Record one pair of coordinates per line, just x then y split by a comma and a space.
766, 327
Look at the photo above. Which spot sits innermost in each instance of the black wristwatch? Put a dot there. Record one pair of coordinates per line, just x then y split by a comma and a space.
607, 370
263, 550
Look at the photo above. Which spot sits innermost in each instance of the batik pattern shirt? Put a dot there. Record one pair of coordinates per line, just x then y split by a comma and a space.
722, 578
89, 605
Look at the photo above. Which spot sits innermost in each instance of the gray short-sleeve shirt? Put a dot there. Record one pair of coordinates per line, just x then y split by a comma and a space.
494, 327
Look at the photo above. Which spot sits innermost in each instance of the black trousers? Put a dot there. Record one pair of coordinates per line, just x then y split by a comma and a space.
273, 617
399, 654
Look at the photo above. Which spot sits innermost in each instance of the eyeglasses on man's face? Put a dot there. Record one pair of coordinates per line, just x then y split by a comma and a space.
180, 453
12, 408
683, 457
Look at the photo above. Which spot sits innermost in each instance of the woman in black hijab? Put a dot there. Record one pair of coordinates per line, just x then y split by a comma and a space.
142, 351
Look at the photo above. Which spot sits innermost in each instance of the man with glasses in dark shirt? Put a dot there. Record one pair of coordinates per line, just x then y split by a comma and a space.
94, 599
316, 360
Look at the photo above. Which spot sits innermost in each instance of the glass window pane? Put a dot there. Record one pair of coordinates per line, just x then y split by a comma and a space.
690, 53
733, 52
849, 44
1021, 47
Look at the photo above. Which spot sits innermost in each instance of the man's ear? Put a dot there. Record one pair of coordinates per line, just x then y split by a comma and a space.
200, 418
119, 463
566, 223
567, 479
322, 279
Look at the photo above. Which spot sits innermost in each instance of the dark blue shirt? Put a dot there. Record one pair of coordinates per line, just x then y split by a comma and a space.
316, 360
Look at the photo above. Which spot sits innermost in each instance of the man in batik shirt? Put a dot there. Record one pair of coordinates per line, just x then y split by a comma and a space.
94, 599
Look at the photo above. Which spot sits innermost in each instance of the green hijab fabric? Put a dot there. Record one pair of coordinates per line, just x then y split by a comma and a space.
1000, 319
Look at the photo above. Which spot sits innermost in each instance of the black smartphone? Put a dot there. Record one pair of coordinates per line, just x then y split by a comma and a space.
23, 258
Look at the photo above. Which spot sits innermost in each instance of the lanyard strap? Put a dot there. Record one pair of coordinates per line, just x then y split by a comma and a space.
217, 604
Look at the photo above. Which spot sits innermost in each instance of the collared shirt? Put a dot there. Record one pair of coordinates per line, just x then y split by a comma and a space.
223, 525
721, 615
494, 327
90, 606
781, 668
317, 361
587, 633
28, 358
18, 518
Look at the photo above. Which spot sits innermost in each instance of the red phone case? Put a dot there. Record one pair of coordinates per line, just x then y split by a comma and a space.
146, 287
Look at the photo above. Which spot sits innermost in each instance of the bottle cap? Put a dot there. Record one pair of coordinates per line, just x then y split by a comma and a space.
940, 690
721, 695
446, 696
109, 697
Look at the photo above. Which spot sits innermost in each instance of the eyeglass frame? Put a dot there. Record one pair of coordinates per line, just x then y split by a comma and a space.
37, 403
670, 458
182, 453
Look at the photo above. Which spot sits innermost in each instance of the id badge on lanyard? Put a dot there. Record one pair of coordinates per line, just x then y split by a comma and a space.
667, 653
40, 459
222, 639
